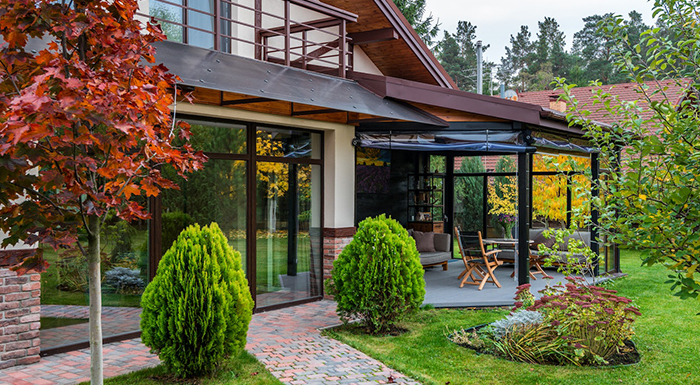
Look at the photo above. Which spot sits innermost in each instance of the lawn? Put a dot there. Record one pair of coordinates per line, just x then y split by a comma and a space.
241, 370
666, 337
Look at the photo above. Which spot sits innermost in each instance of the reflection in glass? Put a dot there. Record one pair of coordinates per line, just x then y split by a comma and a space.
168, 12
64, 286
218, 137
203, 22
288, 143
288, 232
215, 194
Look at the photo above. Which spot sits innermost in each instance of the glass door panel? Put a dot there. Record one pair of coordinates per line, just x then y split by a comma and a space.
288, 232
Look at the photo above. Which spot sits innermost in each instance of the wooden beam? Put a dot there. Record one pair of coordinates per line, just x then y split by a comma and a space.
245, 101
374, 36
300, 27
315, 112
315, 54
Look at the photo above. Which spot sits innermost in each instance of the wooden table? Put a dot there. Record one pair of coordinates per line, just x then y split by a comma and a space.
514, 243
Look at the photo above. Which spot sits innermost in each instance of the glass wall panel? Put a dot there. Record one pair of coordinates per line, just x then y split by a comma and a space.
288, 237
64, 286
203, 22
216, 193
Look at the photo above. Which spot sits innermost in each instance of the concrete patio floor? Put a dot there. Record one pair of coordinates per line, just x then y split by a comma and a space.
442, 287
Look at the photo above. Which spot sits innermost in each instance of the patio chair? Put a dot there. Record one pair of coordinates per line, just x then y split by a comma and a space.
479, 270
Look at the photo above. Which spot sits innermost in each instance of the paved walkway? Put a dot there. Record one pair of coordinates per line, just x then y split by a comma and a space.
287, 341
115, 320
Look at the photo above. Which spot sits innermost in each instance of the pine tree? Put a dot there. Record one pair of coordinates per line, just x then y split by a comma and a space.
414, 12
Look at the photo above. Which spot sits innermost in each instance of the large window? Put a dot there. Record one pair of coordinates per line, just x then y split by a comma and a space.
262, 186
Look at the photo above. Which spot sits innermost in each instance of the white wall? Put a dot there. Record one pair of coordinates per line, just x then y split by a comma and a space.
362, 63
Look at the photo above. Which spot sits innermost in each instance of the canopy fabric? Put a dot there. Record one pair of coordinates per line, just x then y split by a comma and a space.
472, 141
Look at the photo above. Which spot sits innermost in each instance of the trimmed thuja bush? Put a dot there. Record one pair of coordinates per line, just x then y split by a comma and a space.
197, 309
378, 277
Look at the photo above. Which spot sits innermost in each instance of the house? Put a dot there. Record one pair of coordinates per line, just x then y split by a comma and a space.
672, 89
285, 93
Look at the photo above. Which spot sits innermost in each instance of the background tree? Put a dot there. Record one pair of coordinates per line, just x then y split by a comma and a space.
83, 126
457, 53
414, 12
469, 193
652, 197
514, 66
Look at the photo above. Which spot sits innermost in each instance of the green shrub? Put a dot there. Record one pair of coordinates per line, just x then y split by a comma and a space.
378, 277
197, 309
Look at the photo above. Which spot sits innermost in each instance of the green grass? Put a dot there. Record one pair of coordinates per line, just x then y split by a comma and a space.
666, 336
241, 370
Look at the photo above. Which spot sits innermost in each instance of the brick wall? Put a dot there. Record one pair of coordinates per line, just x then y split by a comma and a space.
334, 241
19, 318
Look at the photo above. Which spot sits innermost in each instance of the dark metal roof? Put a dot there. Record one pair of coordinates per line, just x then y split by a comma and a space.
200, 67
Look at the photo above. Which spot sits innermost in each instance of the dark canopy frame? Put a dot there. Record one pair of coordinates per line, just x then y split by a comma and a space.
491, 138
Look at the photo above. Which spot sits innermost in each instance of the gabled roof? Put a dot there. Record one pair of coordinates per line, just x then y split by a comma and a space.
405, 56
674, 89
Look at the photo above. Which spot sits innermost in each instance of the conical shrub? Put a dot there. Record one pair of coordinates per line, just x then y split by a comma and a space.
197, 309
378, 277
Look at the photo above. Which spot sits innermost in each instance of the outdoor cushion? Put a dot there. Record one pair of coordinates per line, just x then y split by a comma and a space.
442, 242
434, 257
424, 241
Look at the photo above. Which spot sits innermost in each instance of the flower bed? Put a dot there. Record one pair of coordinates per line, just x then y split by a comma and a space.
572, 324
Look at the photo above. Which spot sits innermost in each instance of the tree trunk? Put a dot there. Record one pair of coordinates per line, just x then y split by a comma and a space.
94, 224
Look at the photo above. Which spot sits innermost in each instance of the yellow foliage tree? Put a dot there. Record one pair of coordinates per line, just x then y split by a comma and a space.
549, 191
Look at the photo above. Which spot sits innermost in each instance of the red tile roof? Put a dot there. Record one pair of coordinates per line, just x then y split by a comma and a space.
674, 89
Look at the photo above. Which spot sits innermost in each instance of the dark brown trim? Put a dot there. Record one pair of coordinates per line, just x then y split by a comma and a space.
260, 158
246, 101
341, 232
374, 36
415, 43
86, 344
315, 112
416, 92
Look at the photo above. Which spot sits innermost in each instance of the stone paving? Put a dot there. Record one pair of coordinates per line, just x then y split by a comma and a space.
287, 341
115, 320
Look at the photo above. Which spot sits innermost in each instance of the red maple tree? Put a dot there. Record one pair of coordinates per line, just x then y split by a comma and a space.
85, 124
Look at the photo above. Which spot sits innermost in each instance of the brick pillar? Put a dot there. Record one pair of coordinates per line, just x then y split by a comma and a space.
334, 241
19, 318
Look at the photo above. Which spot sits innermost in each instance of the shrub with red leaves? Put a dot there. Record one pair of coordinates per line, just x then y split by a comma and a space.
593, 319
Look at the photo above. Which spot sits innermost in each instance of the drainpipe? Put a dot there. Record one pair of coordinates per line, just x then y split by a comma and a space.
502, 91
479, 69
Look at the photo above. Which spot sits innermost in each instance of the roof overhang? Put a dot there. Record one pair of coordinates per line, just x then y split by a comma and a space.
200, 67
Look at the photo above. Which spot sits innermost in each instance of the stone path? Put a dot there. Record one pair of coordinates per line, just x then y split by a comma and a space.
115, 320
287, 341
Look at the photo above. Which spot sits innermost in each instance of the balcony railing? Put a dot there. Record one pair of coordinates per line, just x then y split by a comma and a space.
299, 33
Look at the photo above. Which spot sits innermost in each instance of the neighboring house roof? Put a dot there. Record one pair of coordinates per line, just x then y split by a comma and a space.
673, 88
405, 56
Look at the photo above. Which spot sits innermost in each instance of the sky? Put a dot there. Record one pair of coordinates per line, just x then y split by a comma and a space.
496, 20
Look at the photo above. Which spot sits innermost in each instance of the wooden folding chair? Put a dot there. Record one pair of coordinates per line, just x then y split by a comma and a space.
472, 268
479, 270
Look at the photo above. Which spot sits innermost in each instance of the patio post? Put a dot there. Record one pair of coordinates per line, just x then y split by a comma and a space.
523, 216
595, 174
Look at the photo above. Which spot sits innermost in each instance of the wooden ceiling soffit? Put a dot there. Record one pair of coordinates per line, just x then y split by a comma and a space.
374, 36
